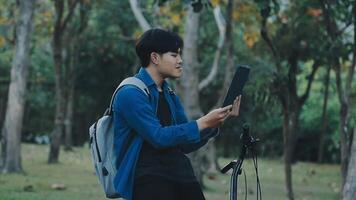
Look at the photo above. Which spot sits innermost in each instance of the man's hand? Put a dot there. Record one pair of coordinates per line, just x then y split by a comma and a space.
217, 117
236, 107
214, 118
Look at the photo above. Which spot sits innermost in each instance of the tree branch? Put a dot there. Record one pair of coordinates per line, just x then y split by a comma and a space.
83, 16
220, 22
70, 13
139, 16
304, 97
339, 32
230, 53
59, 5
330, 26
267, 39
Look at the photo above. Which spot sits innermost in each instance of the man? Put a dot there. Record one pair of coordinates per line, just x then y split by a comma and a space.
152, 134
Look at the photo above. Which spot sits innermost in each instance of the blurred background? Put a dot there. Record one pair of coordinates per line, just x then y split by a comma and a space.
61, 60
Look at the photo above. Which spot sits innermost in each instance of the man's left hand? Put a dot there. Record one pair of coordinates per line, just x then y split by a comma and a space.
235, 110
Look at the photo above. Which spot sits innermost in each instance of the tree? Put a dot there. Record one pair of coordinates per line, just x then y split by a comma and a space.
7, 36
332, 20
290, 46
60, 26
16, 97
73, 38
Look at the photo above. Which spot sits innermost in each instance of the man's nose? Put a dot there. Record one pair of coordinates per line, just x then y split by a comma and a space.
180, 60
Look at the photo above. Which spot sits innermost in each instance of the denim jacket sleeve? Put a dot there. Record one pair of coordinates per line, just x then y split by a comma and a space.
205, 135
135, 108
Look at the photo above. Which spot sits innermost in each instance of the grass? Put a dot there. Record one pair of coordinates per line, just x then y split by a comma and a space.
75, 172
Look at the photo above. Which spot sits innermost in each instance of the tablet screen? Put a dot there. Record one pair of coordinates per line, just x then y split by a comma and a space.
237, 84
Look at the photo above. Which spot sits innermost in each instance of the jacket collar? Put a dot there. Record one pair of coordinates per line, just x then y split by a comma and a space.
147, 79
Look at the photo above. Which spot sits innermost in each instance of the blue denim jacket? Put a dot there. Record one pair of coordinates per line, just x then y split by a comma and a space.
135, 120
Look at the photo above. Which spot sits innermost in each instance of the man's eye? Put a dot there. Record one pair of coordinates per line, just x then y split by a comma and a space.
174, 55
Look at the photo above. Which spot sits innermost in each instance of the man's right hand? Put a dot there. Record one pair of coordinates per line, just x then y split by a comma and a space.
214, 118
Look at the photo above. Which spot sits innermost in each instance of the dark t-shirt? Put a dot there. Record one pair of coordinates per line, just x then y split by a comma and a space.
171, 162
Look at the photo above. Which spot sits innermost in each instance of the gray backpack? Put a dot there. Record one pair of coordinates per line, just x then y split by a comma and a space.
102, 142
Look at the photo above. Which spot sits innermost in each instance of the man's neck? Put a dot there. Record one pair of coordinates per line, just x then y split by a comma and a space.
157, 77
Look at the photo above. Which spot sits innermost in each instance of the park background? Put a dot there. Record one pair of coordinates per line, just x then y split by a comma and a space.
61, 60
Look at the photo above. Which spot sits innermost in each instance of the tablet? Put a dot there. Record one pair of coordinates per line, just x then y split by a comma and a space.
237, 84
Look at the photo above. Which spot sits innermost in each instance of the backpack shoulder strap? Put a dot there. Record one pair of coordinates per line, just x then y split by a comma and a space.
129, 81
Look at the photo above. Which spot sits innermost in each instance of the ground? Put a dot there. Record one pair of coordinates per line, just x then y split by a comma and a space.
75, 179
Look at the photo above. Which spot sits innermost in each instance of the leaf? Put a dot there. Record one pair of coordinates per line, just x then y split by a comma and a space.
314, 12
3, 20
164, 10
215, 2
236, 15
175, 18
251, 38
47, 14
2, 41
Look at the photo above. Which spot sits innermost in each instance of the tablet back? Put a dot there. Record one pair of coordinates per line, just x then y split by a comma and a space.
237, 84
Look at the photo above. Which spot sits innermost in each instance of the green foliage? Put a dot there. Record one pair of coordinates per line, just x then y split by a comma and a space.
311, 121
40, 94
7, 26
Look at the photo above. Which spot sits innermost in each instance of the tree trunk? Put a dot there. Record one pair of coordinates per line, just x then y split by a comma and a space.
59, 29
189, 79
290, 125
324, 121
57, 57
343, 124
60, 108
74, 39
3, 102
68, 121
68, 140
16, 97
190, 82
349, 192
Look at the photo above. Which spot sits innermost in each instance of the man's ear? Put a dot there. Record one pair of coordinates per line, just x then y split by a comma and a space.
154, 58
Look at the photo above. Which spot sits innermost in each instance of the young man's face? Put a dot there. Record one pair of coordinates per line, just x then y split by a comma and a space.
170, 65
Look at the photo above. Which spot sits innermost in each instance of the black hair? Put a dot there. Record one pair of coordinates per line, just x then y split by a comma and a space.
159, 41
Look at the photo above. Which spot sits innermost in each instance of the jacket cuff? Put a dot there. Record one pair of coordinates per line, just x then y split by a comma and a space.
193, 130
209, 133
